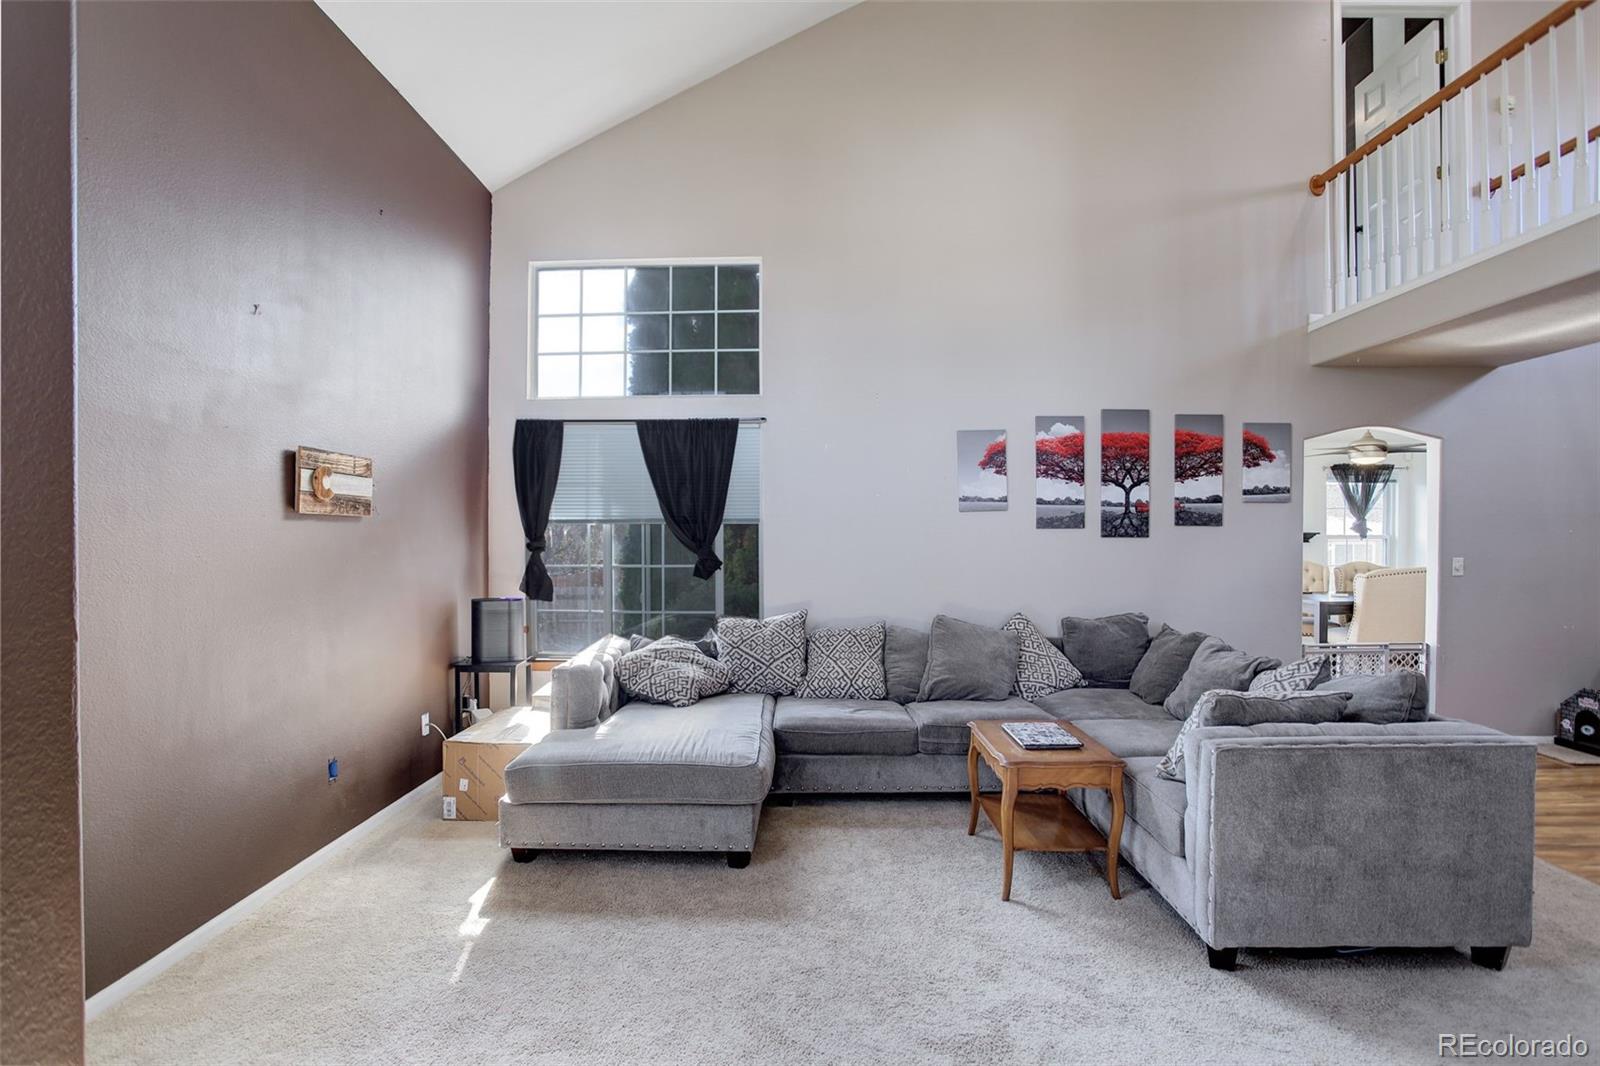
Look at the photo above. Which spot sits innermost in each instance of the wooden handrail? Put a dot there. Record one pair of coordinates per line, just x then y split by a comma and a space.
1520, 171
1319, 182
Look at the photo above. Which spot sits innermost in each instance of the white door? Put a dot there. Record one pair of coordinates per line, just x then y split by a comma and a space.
1396, 173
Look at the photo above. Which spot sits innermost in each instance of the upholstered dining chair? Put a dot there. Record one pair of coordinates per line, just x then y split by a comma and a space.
1391, 606
1313, 576
1345, 574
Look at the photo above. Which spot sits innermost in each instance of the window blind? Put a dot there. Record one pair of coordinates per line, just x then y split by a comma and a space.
603, 477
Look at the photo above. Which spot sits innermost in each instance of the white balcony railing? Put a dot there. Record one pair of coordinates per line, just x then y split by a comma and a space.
1503, 151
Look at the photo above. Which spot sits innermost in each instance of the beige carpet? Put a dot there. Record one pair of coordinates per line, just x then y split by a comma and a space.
864, 931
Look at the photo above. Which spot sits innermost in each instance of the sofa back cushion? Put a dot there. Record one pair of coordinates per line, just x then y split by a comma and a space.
969, 662
1215, 665
585, 689
1163, 664
905, 660
766, 655
1106, 650
844, 664
1383, 699
1221, 707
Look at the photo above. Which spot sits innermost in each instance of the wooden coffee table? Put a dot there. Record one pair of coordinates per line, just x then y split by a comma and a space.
1030, 819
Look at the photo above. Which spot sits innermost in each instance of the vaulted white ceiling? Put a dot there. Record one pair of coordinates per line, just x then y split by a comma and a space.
511, 84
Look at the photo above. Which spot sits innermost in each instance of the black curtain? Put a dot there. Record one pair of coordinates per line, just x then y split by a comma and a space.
1360, 486
690, 462
536, 463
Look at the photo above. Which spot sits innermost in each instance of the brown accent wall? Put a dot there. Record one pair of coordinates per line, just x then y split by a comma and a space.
274, 250
41, 919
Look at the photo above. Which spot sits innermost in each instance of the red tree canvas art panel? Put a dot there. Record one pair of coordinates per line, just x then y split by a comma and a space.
1268, 449
1058, 498
1197, 470
1124, 473
981, 470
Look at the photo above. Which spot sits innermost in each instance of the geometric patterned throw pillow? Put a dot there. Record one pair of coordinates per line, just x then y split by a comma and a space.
1298, 676
765, 655
845, 664
671, 671
1041, 667
1171, 764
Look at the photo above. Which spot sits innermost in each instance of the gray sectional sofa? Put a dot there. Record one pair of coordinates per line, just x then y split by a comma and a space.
1412, 834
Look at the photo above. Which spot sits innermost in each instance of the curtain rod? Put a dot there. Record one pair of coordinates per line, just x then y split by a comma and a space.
634, 421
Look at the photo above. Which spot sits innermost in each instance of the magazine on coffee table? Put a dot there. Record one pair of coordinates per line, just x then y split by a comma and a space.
1040, 736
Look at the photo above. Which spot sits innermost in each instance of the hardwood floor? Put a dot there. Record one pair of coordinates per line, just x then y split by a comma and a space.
1567, 817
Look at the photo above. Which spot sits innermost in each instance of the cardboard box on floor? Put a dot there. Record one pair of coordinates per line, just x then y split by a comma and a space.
475, 760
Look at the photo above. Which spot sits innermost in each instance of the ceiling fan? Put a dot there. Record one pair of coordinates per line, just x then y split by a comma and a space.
1368, 450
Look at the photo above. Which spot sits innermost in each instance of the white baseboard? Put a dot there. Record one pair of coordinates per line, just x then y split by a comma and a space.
143, 974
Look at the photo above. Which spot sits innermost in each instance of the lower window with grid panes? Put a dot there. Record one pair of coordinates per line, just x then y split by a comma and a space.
635, 577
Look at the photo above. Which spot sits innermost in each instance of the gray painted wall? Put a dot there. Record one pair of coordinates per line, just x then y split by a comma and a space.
41, 913
238, 158
970, 215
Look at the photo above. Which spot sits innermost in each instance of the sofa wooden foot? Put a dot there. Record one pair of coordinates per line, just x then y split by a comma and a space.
1491, 958
738, 860
524, 854
1222, 958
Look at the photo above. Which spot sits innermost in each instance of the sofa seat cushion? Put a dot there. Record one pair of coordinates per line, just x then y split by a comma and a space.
1133, 738
1155, 803
843, 727
719, 750
942, 724
1081, 704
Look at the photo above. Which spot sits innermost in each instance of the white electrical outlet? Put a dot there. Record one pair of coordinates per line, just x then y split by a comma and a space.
427, 721
450, 807
1458, 566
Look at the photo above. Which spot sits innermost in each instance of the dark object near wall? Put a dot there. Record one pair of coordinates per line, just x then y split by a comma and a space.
1578, 721
690, 461
499, 629
536, 464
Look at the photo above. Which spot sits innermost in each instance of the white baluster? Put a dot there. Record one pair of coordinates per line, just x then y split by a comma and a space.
1528, 198
1380, 226
1350, 228
1330, 301
1583, 177
1430, 254
1341, 209
1364, 212
1510, 210
1485, 219
1466, 216
1554, 198
1449, 138
1396, 243
1413, 263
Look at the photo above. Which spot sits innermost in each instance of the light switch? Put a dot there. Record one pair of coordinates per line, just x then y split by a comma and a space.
1458, 566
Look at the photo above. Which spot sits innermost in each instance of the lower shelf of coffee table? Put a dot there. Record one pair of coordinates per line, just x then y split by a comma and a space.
1045, 821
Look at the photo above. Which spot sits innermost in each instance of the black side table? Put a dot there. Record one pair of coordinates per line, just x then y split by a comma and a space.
477, 668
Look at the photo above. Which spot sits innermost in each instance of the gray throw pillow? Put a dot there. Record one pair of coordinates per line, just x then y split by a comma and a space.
969, 662
905, 660
766, 655
1215, 665
844, 664
671, 671
1383, 699
1164, 663
1107, 650
1298, 676
1221, 707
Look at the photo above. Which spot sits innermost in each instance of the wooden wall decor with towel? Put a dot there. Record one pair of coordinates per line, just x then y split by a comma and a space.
332, 483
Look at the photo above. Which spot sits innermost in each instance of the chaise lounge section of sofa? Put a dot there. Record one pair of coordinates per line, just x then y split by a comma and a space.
1415, 833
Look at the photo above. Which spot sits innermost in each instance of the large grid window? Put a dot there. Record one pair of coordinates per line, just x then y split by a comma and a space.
616, 567
1343, 545
671, 330
634, 577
